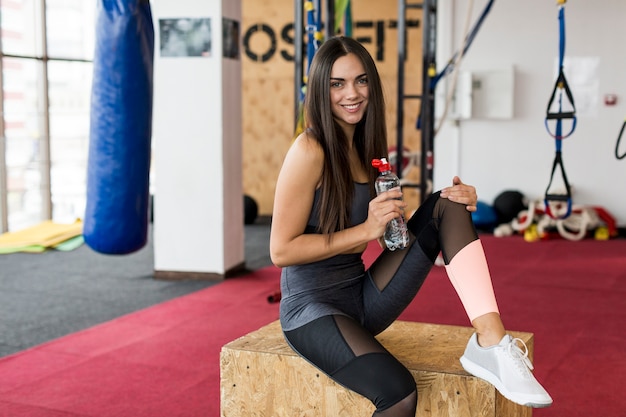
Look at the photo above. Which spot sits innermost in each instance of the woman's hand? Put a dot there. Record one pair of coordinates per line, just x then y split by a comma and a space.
382, 210
461, 193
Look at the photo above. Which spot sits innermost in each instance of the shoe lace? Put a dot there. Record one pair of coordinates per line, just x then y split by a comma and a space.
520, 355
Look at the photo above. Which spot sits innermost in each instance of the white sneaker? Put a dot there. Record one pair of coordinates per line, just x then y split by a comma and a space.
507, 367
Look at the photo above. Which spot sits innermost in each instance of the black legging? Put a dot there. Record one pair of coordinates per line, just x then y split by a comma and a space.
345, 348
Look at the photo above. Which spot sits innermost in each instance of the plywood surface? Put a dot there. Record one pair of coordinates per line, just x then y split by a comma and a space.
262, 376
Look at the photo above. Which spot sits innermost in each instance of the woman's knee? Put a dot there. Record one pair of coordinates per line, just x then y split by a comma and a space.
424, 226
446, 205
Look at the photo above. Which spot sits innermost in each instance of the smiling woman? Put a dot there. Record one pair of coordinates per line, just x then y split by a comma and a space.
326, 212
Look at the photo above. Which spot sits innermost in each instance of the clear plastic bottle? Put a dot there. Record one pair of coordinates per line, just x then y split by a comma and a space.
396, 234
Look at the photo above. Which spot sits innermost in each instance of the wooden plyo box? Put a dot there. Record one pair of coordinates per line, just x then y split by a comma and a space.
261, 376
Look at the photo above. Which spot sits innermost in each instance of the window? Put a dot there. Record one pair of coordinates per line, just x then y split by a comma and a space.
45, 75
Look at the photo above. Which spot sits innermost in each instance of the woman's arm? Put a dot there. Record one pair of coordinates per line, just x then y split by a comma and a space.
295, 189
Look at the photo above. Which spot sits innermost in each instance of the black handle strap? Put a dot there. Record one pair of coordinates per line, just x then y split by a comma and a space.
619, 139
567, 197
561, 85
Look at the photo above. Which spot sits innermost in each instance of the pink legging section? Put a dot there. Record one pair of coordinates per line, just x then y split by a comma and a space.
469, 274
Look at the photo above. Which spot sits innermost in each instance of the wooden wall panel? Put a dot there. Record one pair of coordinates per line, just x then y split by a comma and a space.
268, 84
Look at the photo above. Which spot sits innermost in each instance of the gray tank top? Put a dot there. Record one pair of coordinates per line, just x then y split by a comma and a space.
329, 286
358, 213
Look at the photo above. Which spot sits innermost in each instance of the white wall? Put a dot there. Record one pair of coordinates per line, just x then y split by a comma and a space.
198, 218
497, 155
232, 140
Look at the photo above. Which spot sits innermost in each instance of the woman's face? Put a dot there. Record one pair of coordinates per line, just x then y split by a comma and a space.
348, 90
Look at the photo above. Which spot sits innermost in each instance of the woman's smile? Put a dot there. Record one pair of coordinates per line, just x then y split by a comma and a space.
352, 107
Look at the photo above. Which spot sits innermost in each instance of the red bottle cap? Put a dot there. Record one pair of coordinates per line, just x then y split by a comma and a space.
381, 164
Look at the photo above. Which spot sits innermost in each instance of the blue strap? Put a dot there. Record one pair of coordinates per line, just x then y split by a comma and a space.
313, 27
561, 86
561, 35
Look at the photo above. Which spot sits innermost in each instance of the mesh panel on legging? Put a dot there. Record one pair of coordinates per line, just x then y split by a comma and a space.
350, 355
438, 225
457, 230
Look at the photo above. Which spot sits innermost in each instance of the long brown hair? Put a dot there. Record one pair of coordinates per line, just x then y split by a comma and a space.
370, 136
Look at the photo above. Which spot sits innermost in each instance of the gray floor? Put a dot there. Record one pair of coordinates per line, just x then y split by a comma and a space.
52, 294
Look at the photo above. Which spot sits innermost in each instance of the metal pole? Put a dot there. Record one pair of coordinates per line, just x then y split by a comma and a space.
298, 55
400, 95
45, 163
428, 97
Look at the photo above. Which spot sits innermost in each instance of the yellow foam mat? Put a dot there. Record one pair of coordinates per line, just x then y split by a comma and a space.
40, 237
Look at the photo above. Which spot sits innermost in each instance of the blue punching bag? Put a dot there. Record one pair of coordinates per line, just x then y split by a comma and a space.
116, 216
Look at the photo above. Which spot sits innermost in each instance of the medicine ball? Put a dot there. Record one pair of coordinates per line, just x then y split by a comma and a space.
508, 205
250, 210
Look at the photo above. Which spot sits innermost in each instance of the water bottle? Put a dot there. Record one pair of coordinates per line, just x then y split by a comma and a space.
396, 234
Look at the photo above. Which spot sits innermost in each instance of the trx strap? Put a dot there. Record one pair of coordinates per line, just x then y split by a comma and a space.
558, 161
468, 41
619, 139
452, 62
560, 86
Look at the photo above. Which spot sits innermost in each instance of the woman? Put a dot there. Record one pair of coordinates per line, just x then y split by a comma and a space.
326, 212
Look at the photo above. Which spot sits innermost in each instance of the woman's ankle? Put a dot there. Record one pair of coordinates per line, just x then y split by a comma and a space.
489, 329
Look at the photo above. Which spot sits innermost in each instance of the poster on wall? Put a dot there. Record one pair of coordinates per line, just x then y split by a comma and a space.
583, 75
230, 36
185, 37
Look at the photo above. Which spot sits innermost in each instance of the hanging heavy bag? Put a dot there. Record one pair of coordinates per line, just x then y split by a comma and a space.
116, 215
